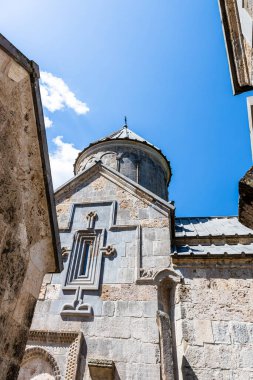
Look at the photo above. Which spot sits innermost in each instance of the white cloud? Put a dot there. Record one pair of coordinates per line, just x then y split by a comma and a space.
56, 95
48, 122
62, 160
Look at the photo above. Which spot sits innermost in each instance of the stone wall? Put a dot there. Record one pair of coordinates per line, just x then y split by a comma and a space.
26, 247
213, 321
246, 199
237, 24
122, 326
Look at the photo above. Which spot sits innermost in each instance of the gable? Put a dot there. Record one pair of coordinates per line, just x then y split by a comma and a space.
100, 186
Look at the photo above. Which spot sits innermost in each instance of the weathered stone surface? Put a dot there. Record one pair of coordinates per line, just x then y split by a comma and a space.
246, 199
237, 25
203, 331
221, 332
240, 333
154, 315
246, 357
28, 234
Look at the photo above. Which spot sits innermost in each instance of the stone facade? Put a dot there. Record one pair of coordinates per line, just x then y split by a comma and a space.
29, 241
152, 297
246, 199
237, 20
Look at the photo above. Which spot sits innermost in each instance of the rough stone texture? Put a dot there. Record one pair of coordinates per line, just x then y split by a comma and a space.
155, 314
26, 247
123, 326
246, 199
214, 333
237, 20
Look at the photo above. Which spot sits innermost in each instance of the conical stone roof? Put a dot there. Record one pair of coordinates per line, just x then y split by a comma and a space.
125, 134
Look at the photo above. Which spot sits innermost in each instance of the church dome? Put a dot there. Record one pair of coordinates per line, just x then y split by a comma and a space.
132, 156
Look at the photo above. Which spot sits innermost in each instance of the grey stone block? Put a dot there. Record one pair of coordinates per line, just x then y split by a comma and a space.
162, 234
150, 353
121, 308
195, 356
246, 357
240, 333
250, 331
145, 330
150, 308
120, 327
108, 308
56, 279
221, 332
212, 356
135, 308
161, 248
228, 357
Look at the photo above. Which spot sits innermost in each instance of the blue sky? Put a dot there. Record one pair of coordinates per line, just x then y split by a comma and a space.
161, 63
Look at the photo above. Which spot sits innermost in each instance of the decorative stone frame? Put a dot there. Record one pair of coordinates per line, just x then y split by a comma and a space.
34, 352
72, 339
166, 281
90, 280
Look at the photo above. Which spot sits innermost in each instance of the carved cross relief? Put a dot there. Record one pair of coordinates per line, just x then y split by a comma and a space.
84, 267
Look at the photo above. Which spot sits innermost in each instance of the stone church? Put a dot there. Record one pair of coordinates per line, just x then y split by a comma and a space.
143, 295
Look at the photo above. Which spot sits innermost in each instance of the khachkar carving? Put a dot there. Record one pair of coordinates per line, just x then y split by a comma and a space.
77, 308
85, 260
84, 266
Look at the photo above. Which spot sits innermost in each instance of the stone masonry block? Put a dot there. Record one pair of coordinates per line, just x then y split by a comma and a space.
139, 372
150, 309
205, 374
212, 356
239, 333
161, 248
203, 331
108, 308
122, 308
145, 330
139, 329
221, 332
120, 327
135, 308
150, 353
126, 275
100, 347
195, 356
162, 234
228, 357
96, 306
188, 331
127, 350
246, 357
162, 261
